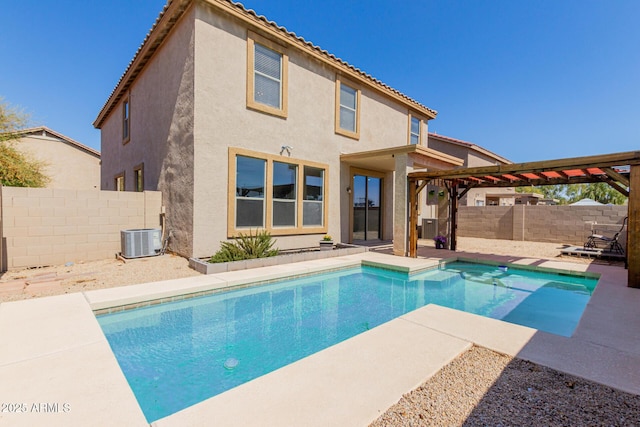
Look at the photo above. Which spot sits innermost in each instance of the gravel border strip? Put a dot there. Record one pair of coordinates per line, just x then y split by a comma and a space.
485, 388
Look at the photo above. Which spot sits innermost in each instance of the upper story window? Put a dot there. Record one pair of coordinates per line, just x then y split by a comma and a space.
267, 87
266, 76
347, 110
415, 125
126, 121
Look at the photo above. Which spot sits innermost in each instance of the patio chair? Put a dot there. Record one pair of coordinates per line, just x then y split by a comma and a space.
610, 244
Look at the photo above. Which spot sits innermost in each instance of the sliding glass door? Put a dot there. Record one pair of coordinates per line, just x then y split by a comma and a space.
367, 212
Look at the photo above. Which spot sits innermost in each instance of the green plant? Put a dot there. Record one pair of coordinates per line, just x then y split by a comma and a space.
246, 246
17, 168
327, 238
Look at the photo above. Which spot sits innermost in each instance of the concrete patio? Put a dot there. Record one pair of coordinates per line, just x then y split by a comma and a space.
58, 369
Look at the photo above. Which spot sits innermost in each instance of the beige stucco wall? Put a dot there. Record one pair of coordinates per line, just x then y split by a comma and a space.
449, 148
54, 226
480, 194
67, 165
222, 119
161, 102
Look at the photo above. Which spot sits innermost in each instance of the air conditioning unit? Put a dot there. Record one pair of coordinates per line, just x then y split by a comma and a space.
141, 242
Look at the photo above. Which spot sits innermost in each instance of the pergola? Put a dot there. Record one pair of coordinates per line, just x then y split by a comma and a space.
620, 170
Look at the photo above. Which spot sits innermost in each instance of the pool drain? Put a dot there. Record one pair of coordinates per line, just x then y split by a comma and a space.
231, 363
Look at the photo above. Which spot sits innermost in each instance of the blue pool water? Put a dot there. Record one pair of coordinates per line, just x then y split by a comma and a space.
177, 354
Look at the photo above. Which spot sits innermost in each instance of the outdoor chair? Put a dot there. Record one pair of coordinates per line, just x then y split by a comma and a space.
609, 244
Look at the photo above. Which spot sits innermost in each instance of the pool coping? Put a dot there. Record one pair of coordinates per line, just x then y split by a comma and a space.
57, 344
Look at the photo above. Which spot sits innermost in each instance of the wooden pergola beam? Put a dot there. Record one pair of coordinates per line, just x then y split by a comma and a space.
602, 161
548, 181
477, 178
414, 190
619, 188
616, 176
633, 229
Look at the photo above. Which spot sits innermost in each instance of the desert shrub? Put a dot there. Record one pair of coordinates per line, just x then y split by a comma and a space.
246, 246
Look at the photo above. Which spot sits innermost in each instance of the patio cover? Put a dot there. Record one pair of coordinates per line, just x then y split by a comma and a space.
620, 170
400, 160
383, 159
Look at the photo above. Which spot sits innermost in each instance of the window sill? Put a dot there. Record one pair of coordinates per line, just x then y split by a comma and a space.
256, 106
298, 231
348, 134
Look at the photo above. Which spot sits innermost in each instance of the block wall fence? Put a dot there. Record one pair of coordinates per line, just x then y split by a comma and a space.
41, 226
553, 224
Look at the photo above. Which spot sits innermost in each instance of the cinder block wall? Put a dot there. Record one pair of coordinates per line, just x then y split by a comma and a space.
489, 222
43, 226
554, 224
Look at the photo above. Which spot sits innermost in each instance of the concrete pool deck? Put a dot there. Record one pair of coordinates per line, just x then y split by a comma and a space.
58, 369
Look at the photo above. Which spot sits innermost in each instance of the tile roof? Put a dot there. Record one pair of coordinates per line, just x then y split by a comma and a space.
471, 146
40, 129
329, 55
149, 45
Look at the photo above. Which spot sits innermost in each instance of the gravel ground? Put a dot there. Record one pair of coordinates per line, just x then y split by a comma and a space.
85, 276
511, 247
484, 388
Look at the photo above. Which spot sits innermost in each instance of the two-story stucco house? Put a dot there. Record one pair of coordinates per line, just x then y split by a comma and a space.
243, 125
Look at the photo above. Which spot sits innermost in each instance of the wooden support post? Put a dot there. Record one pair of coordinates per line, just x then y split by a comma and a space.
453, 214
413, 218
633, 228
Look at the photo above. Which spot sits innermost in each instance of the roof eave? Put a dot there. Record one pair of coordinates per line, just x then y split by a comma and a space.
170, 14
472, 146
61, 136
174, 9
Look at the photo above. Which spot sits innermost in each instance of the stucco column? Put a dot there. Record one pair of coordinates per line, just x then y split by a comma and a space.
403, 165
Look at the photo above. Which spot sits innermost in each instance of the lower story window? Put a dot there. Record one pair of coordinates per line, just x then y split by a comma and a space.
313, 196
250, 177
138, 177
276, 193
119, 182
285, 176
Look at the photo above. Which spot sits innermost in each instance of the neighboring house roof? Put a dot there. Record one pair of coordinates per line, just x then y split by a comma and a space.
472, 146
586, 202
174, 9
45, 131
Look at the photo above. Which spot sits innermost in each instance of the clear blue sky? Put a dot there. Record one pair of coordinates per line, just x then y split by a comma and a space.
529, 80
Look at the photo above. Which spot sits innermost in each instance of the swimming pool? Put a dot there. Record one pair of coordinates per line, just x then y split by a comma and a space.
177, 354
